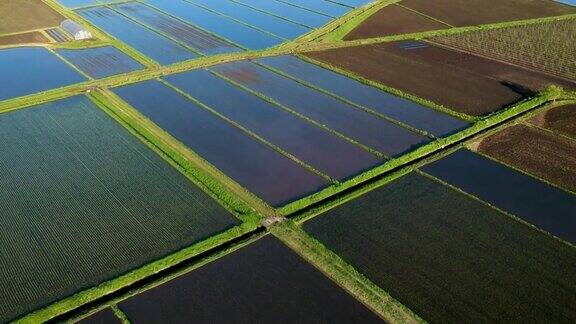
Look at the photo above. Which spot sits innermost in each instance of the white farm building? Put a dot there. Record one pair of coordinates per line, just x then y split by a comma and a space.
76, 30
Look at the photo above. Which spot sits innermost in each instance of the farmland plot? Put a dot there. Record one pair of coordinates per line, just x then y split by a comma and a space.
100, 62
470, 84
361, 126
27, 15
139, 37
194, 37
217, 24
547, 46
327, 8
24, 38
257, 167
561, 120
325, 152
78, 3
264, 282
83, 201
296, 14
278, 26
449, 258
27, 70
476, 12
535, 151
394, 20
548, 208
392, 106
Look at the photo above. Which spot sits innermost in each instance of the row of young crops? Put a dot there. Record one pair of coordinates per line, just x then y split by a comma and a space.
522, 45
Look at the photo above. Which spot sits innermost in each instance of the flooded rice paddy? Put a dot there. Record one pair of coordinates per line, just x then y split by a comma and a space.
327, 153
279, 285
151, 44
100, 62
377, 133
28, 70
255, 166
199, 40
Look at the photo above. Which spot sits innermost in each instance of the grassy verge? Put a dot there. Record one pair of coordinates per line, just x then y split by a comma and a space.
345, 275
106, 288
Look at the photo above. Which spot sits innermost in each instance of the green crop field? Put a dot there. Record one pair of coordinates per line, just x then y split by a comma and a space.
449, 258
83, 201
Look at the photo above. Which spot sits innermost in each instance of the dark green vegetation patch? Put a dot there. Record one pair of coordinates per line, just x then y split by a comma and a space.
82, 201
449, 258
264, 282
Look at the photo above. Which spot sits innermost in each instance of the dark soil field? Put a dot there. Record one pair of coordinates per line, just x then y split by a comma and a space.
393, 20
105, 316
449, 258
475, 12
25, 15
83, 201
465, 83
534, 201
560, 119
24, 38
264, 282
535, 151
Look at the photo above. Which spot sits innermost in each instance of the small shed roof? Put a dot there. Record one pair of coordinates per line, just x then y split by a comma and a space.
71, 26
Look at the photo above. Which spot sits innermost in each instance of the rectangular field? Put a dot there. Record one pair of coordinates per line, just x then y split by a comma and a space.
264, 282
536, 202
561, 120
220, 25
278, 26
394, 20
322, 150
397, 108
293, 13
24, 38
149, 43
28, 70
449, 258
370, 130
257, 167
26, 15
476, 12
535, 151
547, 46
83, 201
100, 62
201, 41
470, 84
